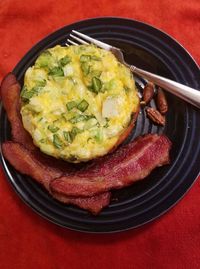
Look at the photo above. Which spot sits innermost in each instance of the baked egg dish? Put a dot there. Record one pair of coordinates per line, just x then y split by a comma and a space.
78, 102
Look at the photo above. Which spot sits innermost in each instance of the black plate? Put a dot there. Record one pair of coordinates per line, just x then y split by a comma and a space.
154, 51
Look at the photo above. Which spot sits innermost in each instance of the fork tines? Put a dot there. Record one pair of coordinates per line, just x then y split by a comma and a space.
79, 38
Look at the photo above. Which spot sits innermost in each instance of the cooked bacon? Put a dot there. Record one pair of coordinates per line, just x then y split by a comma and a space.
29, 163
10, 92
128, 164
94, 204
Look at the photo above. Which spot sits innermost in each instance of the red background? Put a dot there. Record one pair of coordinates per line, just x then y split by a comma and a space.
27, 240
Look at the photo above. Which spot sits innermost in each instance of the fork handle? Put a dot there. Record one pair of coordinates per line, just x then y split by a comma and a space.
186, 93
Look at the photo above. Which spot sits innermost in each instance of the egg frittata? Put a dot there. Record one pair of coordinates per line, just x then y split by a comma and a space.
77, 101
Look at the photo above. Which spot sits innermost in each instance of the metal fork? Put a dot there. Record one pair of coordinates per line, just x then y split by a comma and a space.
186, 93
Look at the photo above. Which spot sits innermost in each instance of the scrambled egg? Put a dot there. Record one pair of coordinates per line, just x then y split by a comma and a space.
77, 101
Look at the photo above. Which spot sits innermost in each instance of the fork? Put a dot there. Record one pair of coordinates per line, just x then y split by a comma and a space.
184, 92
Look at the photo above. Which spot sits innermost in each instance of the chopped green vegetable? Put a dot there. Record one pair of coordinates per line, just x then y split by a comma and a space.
83, 105
26, 94
71, 105
67, 136
44, 59
56, 71
85, 68
88, 117
53, 128
79, 118
85, 58
90, 88
57, 142
41, 83
96, 84
65, 60
99, 136
110, 85
75, 131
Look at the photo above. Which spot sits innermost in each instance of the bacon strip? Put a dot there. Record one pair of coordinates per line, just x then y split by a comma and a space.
128, 164
10, 93
27, 159
29, 163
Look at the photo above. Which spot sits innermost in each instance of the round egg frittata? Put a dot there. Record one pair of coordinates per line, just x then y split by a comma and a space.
77, 102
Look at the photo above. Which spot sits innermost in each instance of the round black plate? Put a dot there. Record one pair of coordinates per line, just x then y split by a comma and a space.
153, 50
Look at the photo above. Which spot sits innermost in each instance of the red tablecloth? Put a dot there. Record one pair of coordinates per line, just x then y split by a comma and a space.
27, 240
